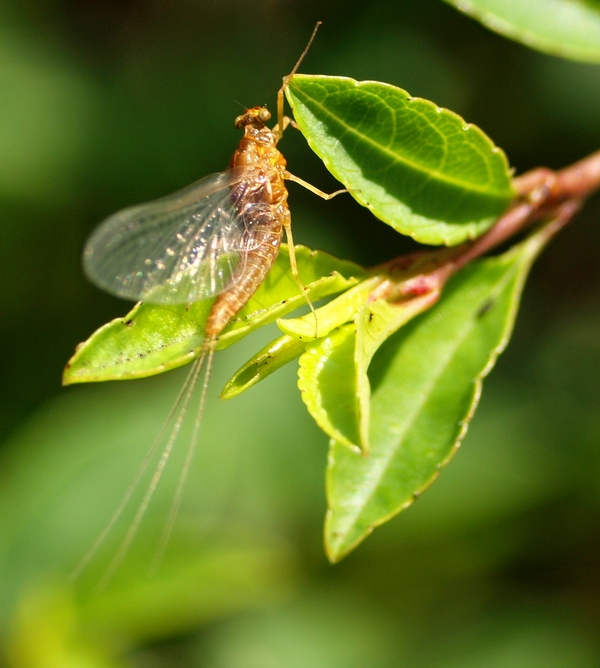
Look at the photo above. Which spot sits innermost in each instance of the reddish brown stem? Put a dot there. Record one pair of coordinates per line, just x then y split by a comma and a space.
542, 193
578, 180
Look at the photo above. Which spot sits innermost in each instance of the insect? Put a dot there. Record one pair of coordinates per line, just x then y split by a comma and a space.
218, 237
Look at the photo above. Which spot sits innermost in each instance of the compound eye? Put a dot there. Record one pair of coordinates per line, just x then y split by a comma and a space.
264, 115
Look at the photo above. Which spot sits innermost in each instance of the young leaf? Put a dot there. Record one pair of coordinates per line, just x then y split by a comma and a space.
569, 28
425, 382
272, 357
337, 312
154, 338
328, 382
419, 168
297, 332
333, 371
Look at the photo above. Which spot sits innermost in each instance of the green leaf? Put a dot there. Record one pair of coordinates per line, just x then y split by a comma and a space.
272, 357
153, 338
328, 382
321, 366
568, 28
425, 382
337, 312
419, 168
333, 372
297, 332
375, 323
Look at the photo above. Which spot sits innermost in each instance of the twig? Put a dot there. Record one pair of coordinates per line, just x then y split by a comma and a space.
541, 194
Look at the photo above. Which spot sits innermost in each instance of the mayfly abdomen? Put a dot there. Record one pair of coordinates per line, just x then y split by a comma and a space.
264, 222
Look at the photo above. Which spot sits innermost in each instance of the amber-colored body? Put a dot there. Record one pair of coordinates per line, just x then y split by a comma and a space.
257, 151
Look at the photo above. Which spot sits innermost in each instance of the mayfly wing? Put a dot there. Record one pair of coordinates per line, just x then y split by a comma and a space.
182, 248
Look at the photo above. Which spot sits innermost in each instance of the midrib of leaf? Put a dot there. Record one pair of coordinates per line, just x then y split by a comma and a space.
371, 482
429, 173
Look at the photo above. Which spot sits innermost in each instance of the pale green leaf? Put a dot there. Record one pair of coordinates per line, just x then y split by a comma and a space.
419, 168
337, 312
328, 382
297, 332
333, 371
375, 323
568, 28
272, 357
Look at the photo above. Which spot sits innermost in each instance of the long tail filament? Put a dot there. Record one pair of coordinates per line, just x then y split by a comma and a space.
177, 412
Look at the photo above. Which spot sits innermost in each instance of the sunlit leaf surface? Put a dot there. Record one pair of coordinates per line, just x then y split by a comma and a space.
272, 357
333, 372
299, 331
421, 169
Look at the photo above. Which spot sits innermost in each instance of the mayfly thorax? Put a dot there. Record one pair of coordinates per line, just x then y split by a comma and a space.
216, 238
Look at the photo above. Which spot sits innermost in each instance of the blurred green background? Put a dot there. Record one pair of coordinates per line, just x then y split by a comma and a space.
106, 103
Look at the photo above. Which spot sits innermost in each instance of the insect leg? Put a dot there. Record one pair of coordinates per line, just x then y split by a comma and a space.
294, 267
286, 121
313, 189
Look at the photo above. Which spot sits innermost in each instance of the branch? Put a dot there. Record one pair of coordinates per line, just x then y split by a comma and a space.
578, 180
541, 194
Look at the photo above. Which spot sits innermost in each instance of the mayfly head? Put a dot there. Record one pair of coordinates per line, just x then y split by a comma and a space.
255, 116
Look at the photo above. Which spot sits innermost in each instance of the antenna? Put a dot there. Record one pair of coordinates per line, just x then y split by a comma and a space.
286, 81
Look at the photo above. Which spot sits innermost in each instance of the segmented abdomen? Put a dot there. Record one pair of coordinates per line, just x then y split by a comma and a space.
251, 275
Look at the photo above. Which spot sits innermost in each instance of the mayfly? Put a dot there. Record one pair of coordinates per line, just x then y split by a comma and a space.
216, 238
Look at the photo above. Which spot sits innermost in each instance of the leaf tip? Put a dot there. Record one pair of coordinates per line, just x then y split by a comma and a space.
69, 374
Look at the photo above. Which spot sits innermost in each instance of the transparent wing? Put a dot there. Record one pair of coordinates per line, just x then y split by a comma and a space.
182, 248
